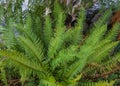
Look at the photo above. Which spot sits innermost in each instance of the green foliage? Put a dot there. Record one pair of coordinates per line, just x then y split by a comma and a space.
3, 74
51, 55
105, 83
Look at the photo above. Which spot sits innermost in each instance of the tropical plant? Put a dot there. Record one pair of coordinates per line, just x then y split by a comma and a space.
43, 52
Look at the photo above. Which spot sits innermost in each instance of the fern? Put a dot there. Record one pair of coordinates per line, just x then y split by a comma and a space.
51, 55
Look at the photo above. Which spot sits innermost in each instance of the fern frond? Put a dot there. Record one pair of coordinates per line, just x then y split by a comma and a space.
96, 34
103, 19
64, 56
55, 45
26, 29
112, 63
48, 32
9, 35
118, 56
57, 9
103, 51
34, 48
74, 35
28, 23
100, 83
38, 28
21, 59
77, 67
27, 33
57, 41
79, 27
113, 32
48, 81
3, 77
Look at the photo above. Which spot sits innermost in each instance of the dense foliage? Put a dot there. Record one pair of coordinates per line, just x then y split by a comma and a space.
39, 50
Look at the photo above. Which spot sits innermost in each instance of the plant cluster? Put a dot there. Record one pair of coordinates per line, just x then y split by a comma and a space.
39, 50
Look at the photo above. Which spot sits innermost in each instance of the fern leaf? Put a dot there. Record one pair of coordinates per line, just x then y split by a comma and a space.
35, 49
103, 52
27, 33
79, 27
113, 32
77, 67
74, 35
28, 24
97, 35
9, 35
22, 60
64, 56
3, 75
103, 19
54, 46
57, 41
50, 81
48, 32
100, 83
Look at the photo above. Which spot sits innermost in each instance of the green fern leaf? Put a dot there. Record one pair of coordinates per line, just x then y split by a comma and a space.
64, 56
35, 49
48, 32
22, 60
